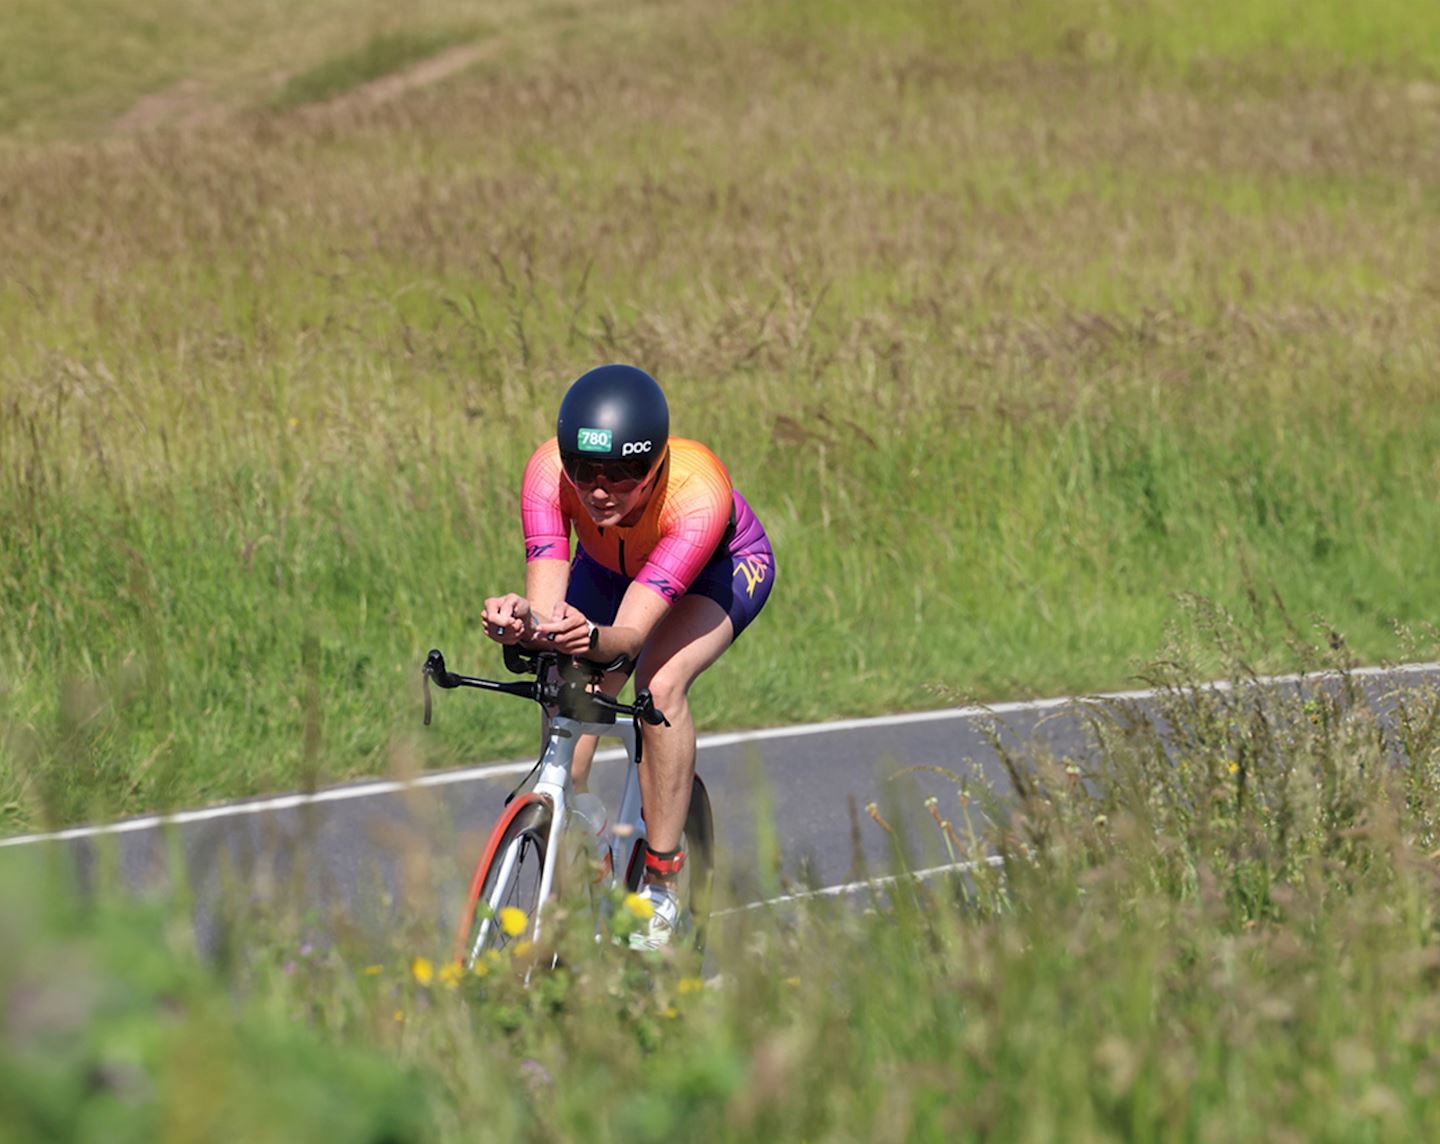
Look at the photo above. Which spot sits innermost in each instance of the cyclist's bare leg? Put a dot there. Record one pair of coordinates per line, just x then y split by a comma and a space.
580, 765
692, 636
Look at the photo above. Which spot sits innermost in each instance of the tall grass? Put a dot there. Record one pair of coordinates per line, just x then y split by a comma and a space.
1005, 357
1230, 932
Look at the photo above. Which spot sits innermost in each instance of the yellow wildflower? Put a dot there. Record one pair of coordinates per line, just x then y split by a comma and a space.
691, 985
669, 1012
481, 969
399, 1016
450, 974
521, 948
639, 907
512, 921
792, 981
373, 970
422, 971
1233, 767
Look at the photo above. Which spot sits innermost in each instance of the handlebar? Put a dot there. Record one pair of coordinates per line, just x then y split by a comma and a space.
566, 688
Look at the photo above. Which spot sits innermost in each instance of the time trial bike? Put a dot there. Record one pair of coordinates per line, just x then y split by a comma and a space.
546, 830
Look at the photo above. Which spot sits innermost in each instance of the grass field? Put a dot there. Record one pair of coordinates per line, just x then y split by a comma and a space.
1014, 323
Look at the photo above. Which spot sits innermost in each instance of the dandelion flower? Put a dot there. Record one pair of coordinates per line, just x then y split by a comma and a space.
450, 974
422, 971
1233, 766
691, 985
521, 948
512, 921
639, 907
669, 1012
481, 969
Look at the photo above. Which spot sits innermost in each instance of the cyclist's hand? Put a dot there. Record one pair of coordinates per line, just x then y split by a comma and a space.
508, 618
568, 631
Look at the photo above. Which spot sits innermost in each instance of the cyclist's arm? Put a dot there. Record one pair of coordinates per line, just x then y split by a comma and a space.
640, 610
547, 536
545, 584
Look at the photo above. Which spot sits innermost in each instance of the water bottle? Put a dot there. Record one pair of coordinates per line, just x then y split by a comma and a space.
590, 808
592, 820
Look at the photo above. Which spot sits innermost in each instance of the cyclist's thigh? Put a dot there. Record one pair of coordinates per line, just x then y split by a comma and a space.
739, 578
694, 634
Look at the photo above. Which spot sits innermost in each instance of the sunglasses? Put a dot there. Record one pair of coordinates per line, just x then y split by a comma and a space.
621, 476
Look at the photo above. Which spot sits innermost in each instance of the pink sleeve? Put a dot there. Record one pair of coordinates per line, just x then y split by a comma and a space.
547, 532
695, 522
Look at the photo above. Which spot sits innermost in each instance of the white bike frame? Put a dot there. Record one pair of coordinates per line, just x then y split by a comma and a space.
553, 785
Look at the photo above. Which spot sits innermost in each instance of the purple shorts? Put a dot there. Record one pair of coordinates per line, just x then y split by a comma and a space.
738, 577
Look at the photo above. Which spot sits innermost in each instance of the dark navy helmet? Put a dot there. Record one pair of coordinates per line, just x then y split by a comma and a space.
614, 421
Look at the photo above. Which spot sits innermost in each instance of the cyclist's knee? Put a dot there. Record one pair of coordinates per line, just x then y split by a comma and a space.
668, 689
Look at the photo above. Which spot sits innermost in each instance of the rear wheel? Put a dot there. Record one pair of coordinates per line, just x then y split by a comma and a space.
700, 858
696, 880
508, 878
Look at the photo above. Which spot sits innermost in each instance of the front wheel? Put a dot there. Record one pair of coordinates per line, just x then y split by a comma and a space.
507, 878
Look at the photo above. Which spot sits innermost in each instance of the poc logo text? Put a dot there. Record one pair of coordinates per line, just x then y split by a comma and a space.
631, 447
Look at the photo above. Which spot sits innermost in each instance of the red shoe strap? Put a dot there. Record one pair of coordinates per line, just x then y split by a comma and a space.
663, 864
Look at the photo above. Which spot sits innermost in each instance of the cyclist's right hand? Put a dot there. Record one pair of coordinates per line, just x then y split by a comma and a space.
508, 618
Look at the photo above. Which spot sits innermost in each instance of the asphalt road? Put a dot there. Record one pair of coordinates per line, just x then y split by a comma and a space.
357, 855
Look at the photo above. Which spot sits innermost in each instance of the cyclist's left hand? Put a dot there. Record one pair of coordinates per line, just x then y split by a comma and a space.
508, 618
567, 631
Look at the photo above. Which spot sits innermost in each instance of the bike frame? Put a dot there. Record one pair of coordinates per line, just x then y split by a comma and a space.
553, 785
573, 708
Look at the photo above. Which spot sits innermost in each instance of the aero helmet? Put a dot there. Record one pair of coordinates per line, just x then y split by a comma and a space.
614, 421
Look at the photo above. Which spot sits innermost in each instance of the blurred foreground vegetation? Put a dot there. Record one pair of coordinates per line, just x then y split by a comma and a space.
1233, 936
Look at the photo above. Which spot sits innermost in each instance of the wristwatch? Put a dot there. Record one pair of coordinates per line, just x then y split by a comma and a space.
594, 634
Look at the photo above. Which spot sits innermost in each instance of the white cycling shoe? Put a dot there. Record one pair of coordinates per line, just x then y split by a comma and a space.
663, 925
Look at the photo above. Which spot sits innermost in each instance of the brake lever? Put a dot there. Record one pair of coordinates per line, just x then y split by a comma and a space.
645, 709
434, 669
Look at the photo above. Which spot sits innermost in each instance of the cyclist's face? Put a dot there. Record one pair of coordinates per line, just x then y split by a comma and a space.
610, 490
609, 502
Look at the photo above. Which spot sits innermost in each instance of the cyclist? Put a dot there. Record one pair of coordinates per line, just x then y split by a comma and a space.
671, 566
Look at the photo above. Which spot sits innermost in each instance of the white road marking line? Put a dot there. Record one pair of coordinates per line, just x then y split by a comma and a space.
500, 770
855, 887
1009, 708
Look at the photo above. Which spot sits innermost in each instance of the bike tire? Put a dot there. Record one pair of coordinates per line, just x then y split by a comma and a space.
700, 857
527, 835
